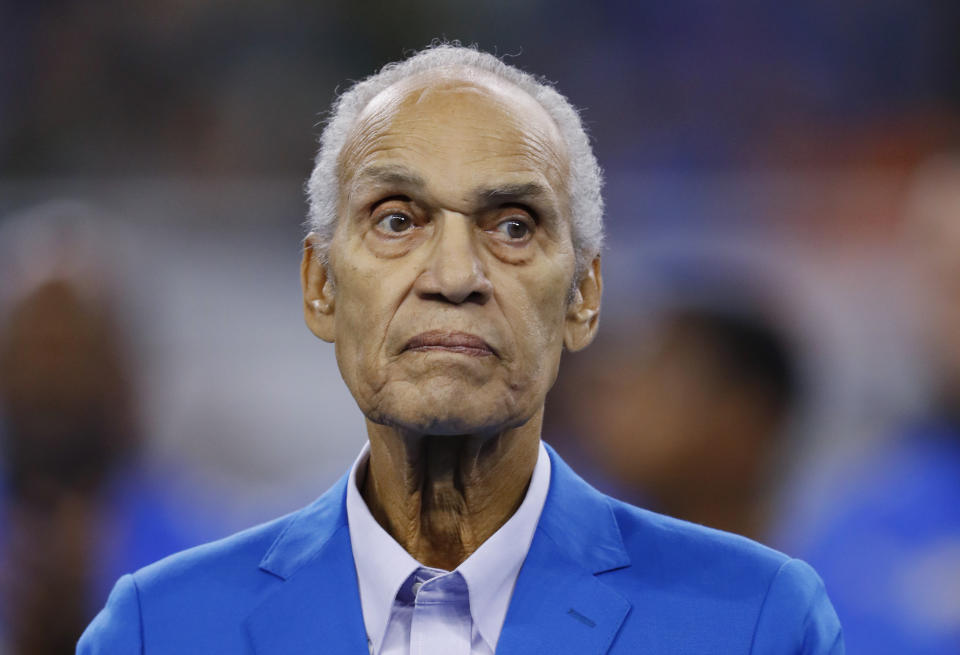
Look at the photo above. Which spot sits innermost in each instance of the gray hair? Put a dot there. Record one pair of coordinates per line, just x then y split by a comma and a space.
585, 177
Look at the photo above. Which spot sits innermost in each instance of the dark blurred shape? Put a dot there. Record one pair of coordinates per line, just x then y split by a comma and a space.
932, 235
889, 551
66, 409
686, 417
71, 494
65, 393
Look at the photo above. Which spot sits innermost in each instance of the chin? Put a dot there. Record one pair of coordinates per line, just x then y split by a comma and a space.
449, 412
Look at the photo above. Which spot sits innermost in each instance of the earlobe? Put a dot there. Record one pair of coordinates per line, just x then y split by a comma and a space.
583, 312
318, 291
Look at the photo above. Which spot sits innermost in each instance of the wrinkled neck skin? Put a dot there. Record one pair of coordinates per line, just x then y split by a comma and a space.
440, 497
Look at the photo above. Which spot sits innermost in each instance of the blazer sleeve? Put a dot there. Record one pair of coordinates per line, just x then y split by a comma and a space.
117, 629
797, 617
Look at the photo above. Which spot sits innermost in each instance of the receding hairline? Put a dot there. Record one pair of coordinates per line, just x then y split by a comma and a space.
457, 77
419, 85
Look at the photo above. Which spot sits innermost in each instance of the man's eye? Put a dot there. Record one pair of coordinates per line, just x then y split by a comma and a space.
395, 223
514, 229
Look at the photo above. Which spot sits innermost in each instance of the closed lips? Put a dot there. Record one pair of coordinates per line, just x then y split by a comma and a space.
459, 342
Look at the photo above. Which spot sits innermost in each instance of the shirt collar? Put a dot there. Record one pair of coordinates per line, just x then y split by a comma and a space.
491, 571
382, 564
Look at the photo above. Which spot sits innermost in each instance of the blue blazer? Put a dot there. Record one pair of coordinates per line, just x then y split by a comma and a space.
601, 577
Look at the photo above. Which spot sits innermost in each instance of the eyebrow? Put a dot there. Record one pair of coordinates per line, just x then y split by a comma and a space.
392, 175
510, 192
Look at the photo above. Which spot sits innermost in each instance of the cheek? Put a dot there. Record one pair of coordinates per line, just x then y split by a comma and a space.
550, 300
538, 323
347, 349
363, 312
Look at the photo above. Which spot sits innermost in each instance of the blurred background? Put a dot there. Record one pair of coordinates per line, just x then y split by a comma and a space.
779, 353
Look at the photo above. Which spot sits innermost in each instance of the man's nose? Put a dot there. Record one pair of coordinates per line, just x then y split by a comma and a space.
454, 272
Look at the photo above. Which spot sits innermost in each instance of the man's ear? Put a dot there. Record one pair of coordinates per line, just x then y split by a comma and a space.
583, 312
318, 290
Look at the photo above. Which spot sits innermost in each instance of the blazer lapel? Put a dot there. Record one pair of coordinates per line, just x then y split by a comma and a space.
316, 607
558, 604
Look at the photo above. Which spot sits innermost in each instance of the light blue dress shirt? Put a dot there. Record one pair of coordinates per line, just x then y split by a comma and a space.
411, 609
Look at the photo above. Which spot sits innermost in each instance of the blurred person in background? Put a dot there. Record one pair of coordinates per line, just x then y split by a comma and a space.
687, 414
889, 549
76, 508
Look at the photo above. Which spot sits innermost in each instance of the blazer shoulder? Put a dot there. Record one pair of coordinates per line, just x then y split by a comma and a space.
277, 547
202, 590
238, 553
781, 604
208, 591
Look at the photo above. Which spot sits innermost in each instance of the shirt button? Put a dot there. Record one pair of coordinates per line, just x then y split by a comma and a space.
416, 587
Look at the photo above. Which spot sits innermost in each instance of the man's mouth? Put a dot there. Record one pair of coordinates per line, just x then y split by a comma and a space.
456, 342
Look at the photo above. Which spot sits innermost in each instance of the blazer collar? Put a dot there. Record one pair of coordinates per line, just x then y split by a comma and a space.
558, 604
308, 532
317, 606
580, 518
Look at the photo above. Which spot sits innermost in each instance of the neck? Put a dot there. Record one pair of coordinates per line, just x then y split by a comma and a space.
441, 497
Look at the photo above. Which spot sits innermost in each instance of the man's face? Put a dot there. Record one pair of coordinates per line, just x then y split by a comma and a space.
452, 258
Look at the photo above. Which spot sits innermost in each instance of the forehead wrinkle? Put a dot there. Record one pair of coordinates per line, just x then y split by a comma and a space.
359, 170
535, 148
384, 142
369, 126
524, 165
532, 180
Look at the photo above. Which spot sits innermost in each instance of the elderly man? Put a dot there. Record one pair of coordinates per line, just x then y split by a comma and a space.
456, 212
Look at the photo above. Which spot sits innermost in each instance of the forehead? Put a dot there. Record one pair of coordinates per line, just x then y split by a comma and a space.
456, 124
